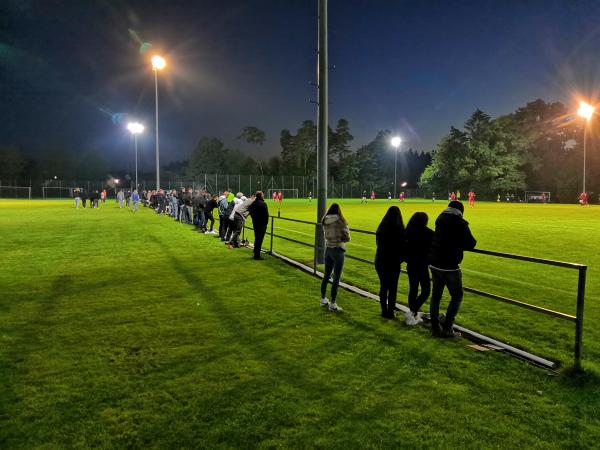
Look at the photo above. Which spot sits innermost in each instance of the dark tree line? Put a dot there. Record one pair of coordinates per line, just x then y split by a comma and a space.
370, 165
538, 147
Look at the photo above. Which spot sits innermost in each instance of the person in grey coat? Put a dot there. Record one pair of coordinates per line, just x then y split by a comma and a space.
337, 234
120, 197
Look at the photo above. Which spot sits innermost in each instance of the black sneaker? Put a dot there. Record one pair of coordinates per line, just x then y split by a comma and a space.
450, 333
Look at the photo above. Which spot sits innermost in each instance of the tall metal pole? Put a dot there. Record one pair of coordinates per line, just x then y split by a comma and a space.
395, 164
156, 128
136, 171
584, 151
322, 130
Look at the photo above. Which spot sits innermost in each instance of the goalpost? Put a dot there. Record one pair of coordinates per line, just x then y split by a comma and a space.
287, 193
15, 192
537, 196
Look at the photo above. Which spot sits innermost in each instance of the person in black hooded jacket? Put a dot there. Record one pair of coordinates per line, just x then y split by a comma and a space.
452, 236
259, 211
388, 258
418, 244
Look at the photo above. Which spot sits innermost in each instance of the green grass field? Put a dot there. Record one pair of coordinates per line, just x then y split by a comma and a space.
128, 330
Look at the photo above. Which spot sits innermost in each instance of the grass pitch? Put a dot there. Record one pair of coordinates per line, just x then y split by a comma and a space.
128, 330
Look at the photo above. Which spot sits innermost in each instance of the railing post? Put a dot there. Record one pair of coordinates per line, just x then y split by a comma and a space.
271, 244
317, 249
579, 321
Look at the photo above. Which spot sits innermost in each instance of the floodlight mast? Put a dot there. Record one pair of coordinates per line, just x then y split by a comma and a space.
158, 63
585, 111
396, 141
135, 128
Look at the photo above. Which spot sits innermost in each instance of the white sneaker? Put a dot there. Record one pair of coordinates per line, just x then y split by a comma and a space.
213, 232
324, 301
207, 232
335, 307
411, 320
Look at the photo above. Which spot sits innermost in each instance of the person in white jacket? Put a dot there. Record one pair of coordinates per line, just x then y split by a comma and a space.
238, 217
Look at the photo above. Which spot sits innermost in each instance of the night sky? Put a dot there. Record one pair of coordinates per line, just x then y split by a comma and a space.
69, 68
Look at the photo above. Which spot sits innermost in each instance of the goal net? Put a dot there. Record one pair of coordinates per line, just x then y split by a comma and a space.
57, 192
537, 197
286, 193
15, 192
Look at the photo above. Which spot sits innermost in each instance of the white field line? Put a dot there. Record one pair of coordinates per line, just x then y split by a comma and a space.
308, 234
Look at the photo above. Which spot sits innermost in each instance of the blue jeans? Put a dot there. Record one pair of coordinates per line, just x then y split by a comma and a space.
442, 279
175, 209
334, 263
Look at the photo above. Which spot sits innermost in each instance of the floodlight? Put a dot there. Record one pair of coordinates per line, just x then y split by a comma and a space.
158, 62
585, 110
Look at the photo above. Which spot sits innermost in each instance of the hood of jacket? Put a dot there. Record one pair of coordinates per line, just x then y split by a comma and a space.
330, 218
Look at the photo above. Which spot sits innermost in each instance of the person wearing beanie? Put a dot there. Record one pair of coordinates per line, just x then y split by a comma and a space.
452, 236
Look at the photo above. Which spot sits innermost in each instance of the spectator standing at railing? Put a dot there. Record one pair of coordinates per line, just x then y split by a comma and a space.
418, 244
174, 204
222, 205
211, 204
238, 217
337, 234
452, 236
259, 211
391, 248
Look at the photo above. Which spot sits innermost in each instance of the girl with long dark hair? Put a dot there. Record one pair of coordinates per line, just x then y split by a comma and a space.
418, 242
389, 257
337, 234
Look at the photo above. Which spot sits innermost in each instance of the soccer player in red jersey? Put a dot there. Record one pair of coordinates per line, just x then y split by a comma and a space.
583, 199
372, 196
471, 199
453, 196
280, 197
274, 196
402, 196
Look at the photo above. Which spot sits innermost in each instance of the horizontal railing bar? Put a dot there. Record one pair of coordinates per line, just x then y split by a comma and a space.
356, 230
511, 301
295, 220
293, 240
549, 262
360, 259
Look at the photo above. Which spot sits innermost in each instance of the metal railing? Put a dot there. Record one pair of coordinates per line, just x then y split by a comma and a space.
582, 271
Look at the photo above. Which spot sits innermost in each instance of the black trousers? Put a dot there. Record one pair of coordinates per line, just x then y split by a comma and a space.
222, 226
388, 287
453, 281
208, 217
259, 236
418, 275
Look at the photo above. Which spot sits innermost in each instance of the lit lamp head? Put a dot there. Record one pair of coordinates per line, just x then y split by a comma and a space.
158, 63
116, 181
585, 110
396, 141
135, 127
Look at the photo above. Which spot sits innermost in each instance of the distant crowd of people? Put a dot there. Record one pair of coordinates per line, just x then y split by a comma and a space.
432, 258
197, 208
